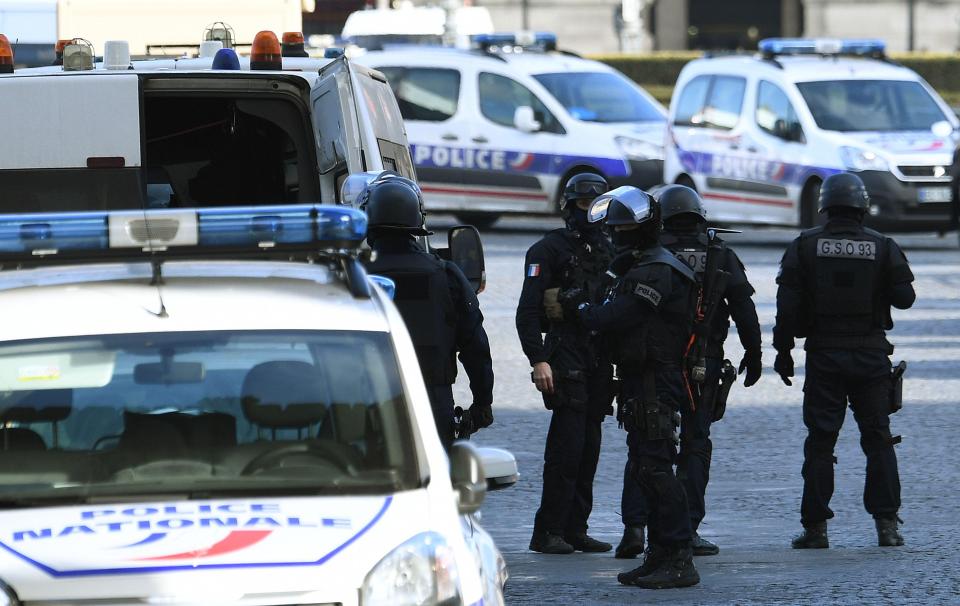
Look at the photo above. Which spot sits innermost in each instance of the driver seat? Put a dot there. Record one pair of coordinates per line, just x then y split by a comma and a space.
285, 394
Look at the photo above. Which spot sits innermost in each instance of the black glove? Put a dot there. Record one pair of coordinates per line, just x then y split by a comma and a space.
752, 364
784, 367
570, 300
482, 416
622, 263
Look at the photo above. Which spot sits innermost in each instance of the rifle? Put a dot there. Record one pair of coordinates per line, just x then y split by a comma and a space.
714, 284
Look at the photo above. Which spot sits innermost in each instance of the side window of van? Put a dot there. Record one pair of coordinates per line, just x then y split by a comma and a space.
427, 94
711, 101
501, 96
775, 115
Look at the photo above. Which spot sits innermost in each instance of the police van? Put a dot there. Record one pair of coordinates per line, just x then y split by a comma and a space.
501, 128
272, 128
218, 406
757, 135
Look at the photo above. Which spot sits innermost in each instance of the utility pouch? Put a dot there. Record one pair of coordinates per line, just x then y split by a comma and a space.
630, 414
896, 386
728, 376
569, 390
551, 305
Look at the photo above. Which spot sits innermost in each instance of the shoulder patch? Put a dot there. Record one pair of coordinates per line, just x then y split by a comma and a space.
648, 293
533, 270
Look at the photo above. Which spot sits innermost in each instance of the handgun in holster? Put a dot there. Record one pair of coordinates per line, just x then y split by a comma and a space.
728, 376
462, 424
896, 386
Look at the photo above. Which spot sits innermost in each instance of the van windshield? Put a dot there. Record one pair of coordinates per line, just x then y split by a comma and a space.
600, 97
202, 413
871, 105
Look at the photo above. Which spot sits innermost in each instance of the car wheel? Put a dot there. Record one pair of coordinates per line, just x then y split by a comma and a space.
478, 220
809, 202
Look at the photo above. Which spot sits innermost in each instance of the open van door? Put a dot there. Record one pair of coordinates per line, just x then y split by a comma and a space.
340, 149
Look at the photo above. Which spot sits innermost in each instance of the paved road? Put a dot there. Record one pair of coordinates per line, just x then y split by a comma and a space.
754, 494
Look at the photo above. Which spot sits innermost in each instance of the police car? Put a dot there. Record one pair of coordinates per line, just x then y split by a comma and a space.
274, 127
757, 135
501, 129
218, 406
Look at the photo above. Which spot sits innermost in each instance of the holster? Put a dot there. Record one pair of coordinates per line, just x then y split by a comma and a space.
569, 390
645, 414
896, 386
728, 376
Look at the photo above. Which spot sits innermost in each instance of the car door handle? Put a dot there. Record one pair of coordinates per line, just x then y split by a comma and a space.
752, 149
481, 139
449, 137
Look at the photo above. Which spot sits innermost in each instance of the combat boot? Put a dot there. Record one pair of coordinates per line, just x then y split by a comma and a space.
581, 541
631, 545
888, 533
814, 536
676, 570
547, 542
652, 560
703, 547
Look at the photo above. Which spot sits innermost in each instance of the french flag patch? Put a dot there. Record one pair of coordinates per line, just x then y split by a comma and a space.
533, 270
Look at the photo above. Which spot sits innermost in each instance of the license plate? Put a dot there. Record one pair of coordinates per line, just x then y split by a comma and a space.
934, 194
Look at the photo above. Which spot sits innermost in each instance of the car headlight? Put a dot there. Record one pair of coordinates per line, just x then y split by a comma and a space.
7, 596
635, 149
420, 572
862, 159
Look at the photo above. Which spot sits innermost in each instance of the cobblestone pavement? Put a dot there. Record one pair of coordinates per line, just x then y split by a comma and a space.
754, 494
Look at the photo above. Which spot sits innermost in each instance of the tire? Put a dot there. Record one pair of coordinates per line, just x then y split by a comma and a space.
809, 202
478, 220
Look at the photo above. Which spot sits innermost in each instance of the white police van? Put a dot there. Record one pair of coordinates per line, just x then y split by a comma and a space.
185, 419
757, 135
169, 133
500, 129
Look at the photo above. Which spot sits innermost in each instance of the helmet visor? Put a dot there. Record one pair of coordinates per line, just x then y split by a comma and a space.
635, 200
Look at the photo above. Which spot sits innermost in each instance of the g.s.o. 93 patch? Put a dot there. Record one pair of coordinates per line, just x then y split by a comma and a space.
847, 249
696, 259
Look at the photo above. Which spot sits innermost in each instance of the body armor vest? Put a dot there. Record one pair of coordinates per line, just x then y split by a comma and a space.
424, 300
844, 266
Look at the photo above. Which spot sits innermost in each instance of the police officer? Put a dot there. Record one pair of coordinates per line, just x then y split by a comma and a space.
686, 236
568, 368
438, 305
836, 285
649, 317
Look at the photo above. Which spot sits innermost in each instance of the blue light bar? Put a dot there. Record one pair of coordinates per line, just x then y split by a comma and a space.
772, 47
542, 41
243, 229
226, 59
48, 233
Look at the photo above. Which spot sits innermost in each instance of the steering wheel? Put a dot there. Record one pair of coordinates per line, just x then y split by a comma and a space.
273, 458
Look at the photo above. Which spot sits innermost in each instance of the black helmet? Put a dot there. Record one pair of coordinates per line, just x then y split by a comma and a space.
625, 206
844, 190
680, 200
583, 186
394, 203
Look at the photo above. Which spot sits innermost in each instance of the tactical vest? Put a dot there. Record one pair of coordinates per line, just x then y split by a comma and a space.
587, 265
843, 267
662, 340
424, 300
692, 250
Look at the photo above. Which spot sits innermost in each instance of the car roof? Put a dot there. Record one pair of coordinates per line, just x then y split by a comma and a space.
196, 296
527, 62
806, 68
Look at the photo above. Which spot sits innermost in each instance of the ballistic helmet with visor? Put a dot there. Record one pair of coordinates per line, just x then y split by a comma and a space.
680, 201
583, 186
394, 203
625, 206
844, 190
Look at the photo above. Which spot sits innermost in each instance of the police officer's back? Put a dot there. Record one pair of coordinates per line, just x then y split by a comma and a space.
649, 319
568, 368
725, 293
837, 283
438, 306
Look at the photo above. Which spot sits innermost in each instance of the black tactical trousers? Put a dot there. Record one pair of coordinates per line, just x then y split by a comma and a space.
696, 448
834, 378
653, 496
441, 401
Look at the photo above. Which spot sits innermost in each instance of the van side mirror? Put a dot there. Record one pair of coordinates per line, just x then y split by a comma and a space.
525, 120
467, 477
466, 252
500, 467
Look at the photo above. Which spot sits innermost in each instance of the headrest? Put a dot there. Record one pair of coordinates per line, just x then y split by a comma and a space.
284, 395
20, 438
39, 406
